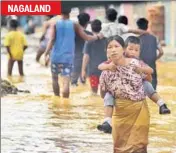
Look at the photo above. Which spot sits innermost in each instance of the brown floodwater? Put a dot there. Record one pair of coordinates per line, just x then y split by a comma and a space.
40, 123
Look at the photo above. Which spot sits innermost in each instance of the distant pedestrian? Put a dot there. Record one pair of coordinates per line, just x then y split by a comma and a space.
83, 20
16, 43
149, 47
94, 54
29, 28
112, 28
44, 38
123, 21
62, 43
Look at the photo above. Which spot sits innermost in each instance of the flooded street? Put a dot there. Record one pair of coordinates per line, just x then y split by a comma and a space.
40, 123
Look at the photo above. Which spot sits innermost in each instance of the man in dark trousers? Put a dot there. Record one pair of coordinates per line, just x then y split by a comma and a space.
149, 48
94, 54
83, 20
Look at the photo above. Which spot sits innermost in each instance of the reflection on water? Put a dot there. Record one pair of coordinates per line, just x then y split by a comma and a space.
40, 122
16, 79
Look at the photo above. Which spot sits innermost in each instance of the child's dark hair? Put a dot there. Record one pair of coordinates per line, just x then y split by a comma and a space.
13, 23
96, 25
116, 38
123, 19
132, 39
111, 14
142, 23
83, 19
66, 10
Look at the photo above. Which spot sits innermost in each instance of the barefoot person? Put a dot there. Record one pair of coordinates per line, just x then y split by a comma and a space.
44, 38
62, 43
130, 121
83, 20
112, 28
16, 43
132, 50
94, 54
151, 50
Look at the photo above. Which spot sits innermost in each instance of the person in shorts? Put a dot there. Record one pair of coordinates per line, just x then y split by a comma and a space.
94, 54
62, 43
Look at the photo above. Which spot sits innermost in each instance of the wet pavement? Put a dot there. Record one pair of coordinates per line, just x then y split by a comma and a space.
41, 123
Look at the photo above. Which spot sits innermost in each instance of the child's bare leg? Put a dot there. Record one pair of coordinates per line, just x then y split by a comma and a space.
94, 90
155, 97
10, 66
108, 109
151, 93
20, 68
55, 84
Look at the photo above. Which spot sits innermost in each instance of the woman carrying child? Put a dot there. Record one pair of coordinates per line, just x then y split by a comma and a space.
130, 121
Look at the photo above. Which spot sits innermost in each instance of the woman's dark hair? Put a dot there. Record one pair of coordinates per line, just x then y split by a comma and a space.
13, 23
83, 19
123, 19
142, 23
116, 38
111, 14
132, 39
96, 25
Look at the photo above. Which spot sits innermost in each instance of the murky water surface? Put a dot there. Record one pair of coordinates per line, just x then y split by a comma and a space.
41, 123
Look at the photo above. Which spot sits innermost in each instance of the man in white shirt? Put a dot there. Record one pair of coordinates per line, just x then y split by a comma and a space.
112, 28
123, 21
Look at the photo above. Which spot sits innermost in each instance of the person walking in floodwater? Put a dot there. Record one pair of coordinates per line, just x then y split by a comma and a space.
94, 54
130, 121
62, 55
16, 43
132, 50
44, 38
149, 48
83, 20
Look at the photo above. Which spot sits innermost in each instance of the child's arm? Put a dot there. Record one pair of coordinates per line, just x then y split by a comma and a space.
7, 44
107, 66
148, 78
25, 47
125, 29
146, 69
137, 31
143, 68
8, 50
